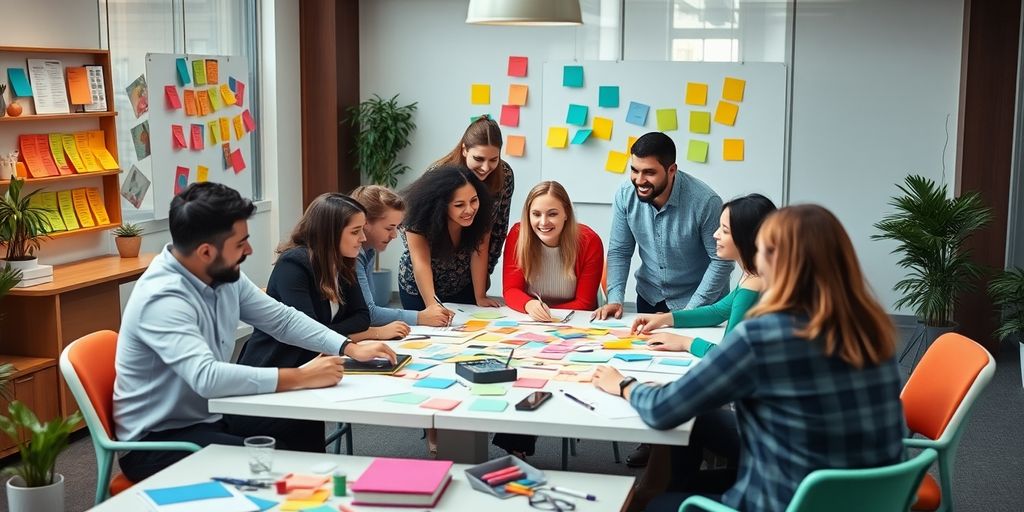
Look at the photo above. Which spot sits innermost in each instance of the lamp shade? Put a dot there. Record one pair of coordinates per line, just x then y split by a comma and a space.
524, 12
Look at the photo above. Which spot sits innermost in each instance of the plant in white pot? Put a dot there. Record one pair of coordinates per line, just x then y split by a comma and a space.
22, 225
35, 486
1007, 292
383, 131
128, 238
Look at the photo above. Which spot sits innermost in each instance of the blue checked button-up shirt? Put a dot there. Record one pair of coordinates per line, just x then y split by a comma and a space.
678, 263
797, 410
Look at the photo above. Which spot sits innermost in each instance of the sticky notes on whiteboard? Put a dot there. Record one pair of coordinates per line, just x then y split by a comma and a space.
608, 96
515, 145
577, 115
732, 150
700, 122
733, 89
726, 113
697, 151
603, 128
629, 144
616, 162
667, 120
637, 113
558, 137
581, 136
517, 65
696, 93
572, 76
480, 94
509, 115
517, 94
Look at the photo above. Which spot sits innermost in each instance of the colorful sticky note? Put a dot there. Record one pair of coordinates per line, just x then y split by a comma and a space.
616, 162
407, 398
733, 88
675, 361
239, 129
488, 405
225, 148
577, 115
581, 136
629, 144
726, 113
700, 122
19, 82
250, 123
517, 94
202, 173
204, 104
572, 76
696, 93
197, 137
618, 344
637, 113
633, 357
420, 367
440, 404
732, 150
488, 389
180, 179
237, 161
225, 129
558, 137
480, 94
435, 383
173, 101
190, 102
517, 65
178, 137
239, 89
596, 357
214, 129
603, 128
215, 101
211, 72
697, 151
515, 145
199, 71
183, 75
227, 95
509, 115
667, 120
526, 382
608, 96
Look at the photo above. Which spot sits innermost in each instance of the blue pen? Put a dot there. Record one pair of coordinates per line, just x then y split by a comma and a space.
262, 484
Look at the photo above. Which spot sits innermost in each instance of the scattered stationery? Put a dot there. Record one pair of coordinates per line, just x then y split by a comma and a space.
525, 382
589, 358
207, 496
78, 86
435, 383
402, 482
675, 361
419, 367
407, 398
440, 404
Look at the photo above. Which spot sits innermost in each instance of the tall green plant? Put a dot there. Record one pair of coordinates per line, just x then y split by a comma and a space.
1007, 292
22, 223
931, 230
41, 447
383, 128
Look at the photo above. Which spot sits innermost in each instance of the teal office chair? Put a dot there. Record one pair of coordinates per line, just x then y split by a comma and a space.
890, 488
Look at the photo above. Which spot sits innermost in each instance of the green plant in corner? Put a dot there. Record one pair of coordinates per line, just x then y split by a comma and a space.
1007, 292
22, 223
9, 278
41, 447
128, 230
383, 130
931, 230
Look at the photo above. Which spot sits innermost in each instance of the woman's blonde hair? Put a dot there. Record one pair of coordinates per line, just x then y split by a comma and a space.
483, 131
814, 272
378, 201
529, 245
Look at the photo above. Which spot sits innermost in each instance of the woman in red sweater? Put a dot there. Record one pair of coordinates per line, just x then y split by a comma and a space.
557, 259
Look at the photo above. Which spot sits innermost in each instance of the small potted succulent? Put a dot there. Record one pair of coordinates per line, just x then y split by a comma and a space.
128, 238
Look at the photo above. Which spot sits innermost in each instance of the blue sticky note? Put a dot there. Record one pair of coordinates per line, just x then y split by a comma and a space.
590, 358
419, 367
633, 357
534, 345
321, 508
183, 75
572, 76
439, 356
608, 96
577, 115
505, 323
488, 405
611, 324
637, 113
673, 361
232, 84
581, 136
19, 82
569, 336
434, 383
261, 503
186, 493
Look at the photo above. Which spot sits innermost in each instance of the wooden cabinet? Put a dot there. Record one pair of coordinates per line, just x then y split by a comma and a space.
35, 385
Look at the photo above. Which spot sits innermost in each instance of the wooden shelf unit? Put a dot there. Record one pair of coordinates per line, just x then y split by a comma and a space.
33, 384
56, 117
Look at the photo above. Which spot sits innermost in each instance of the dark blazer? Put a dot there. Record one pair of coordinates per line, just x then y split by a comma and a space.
292, 283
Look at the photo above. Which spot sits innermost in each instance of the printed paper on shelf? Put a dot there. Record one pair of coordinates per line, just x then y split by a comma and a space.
57, 151
98, 145
178, 137
43, 148
67, 209
78, 86
90, 161
49, 93
97, 206
81, 202
30, 155
48, 201
71, 150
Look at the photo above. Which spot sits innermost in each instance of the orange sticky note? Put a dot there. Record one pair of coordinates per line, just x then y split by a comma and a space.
78, 86
558, 137
515, 145
204, 104
225, 129
696, 93
441, 404
211, 72
517, 94
480, 94
239, 130
733, 88
732, 150
203, 174
603, 128
616, 162
190, 102
726, 113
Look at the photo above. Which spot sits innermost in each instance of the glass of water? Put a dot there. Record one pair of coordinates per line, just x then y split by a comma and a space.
261, 453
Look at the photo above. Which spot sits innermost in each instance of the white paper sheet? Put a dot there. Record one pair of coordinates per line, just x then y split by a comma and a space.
358, 387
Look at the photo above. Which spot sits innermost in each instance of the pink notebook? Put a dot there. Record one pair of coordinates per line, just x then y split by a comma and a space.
403, 482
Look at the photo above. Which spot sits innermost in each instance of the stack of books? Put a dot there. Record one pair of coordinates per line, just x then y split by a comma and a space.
40, 274
402, 483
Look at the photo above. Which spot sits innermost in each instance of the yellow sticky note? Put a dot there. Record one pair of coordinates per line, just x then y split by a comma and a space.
558, 137
667, 120
618, 344
225, 130
700, 122
726, 113
318, 498
464, 359
239, 129
490, 336
733, 89
480, 94
696, 93
212, 128
517, 94
629, 144
603, 128
732, 150
227, 94
516, 145
616, 162
415, 345
475, 325
202, 174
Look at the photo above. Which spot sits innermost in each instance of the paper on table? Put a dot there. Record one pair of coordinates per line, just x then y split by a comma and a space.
605, 405
358, 387
234, 502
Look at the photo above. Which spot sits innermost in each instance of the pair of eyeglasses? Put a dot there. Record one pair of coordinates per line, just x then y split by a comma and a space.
544, 501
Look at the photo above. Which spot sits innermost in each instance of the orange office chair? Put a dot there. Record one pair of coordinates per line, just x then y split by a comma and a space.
936, 402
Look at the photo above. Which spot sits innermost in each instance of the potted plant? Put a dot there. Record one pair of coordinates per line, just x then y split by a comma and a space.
1007, 292
931, 230
128, 238
22, 225
383, 130
34, 485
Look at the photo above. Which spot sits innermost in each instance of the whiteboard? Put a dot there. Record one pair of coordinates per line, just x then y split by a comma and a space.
662, 85
161, 70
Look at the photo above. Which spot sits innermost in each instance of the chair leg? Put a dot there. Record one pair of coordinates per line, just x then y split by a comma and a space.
565, 454
104, 460
335, 438
348, 439
615, 452
572, 446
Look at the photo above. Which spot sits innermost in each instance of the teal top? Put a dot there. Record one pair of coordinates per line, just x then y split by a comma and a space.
732, 308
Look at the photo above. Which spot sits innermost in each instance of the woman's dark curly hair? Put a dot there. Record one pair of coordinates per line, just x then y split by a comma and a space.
427, 202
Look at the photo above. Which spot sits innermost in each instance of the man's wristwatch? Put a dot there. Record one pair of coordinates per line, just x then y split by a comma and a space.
622, 385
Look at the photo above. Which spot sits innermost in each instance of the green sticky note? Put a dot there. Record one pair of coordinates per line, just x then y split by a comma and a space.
608, 96
590, 358
577, 115
488, 405
697, 151
700, 122
406, 398
199, 71
488, 389
472, 119
488, 315
667, 120
572, 76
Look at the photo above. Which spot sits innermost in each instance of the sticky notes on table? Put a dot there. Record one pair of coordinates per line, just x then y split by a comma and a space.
419, 367
490, 336
590, 358
407, 398
577, 115
696, 93
726, 113
558, 137
440, 404
505, 330
317, 498
509, 115
618, 344
263, 504
435, 383
733, 89
637, 113
603, 128
554, 356
608, 96
487, 314
515, 145
517, 65
732, 150
700, 122
616, 162
532, 336
611, 324
667, 120
517, 94
415, 345
186, 493
183, 76
488, 405
480, 94
526, 382
697, 151
199, 71
581, 135
675, 361
505, 323
572, 76
629, 358
488, 389
173, 101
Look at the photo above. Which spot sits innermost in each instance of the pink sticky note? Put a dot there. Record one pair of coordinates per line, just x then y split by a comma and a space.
515, 342
532, 336
530, 383
179, 136
173, 101
250, 124
557, 349
509, 115
517, 65
237, 162
239, 93
555, 356
180, 179
441, 404
197, 137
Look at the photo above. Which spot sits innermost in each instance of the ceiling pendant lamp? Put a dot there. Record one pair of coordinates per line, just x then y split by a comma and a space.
524, 12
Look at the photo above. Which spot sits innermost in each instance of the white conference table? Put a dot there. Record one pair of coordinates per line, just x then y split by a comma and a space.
612, 492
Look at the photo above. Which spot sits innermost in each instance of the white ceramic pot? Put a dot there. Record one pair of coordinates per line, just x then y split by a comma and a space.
22, 265
35, 499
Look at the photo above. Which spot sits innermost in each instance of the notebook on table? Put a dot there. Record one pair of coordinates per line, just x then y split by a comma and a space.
402, 482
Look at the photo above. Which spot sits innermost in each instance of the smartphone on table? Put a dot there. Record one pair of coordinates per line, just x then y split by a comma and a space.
533, 400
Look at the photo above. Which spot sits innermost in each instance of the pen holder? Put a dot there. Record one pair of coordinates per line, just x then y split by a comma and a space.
6, 169
474, 473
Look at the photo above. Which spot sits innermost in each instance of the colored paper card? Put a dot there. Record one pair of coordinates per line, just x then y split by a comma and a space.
82, 211
572, 76
248, 121
215, 100
509, 115
464, 359
700, 122
733, 88
581, 135
199, 71
71, 150
533, 345
618, 344
190, 102
99, 210
505, 330
577, 115
637, 113
180, 179
183, 76
554, 356
212, 72
213, 127
202, 173
407, 398
490, 336
696, 93
178, 136
667, 120
488, 405
92, 164
480, 320
517, 94
697, 151
517, 65
488, 389
227, 95
187, 493
204, 103
726, 113
173, 101
316, 499
732, 150
415, 345
629, 144
558, 137
435, 383
19, 82
532, 336
237, 161
608, 96
603, 128
261, 503
225, 129
616, 162
675, 361
515, 145
611, 324
505, 323
321, 508
98, 145
480, 94
629, 358
57, 152
197, 137
78, 86
525, 382
225, 148
419, 367
590, 358
239, 89
440, 404
239, 128
67, 209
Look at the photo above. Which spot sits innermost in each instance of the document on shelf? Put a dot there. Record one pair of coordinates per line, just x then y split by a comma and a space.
50, 93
